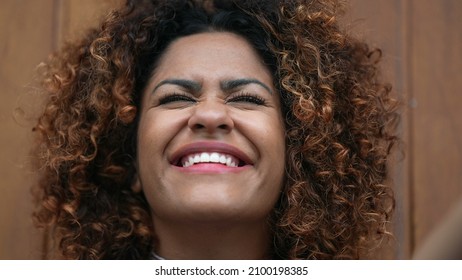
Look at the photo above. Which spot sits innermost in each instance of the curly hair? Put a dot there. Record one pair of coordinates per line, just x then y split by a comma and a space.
340, 121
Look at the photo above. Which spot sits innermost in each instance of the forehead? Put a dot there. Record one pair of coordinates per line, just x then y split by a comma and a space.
211, 53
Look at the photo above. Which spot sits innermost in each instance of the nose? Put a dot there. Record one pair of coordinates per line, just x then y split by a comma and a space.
211, 116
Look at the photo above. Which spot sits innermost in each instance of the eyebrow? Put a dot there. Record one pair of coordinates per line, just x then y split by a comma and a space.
187, 84
232, 84
224, 85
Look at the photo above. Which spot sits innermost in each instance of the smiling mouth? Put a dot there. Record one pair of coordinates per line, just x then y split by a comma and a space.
210, 158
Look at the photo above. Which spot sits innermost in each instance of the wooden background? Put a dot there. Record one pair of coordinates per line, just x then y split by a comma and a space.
422, 43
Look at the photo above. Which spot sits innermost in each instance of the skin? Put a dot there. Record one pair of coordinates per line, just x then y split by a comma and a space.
195, 97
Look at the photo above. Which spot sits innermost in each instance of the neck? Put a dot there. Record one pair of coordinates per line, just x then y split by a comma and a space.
212, 241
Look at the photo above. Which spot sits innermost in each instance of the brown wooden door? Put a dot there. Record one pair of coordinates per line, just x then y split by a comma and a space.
29, 31
421, 40
422, 43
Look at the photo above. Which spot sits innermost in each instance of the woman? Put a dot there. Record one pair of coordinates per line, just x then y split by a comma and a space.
216, 130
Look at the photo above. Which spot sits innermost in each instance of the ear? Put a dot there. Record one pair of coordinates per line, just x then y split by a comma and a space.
136, 184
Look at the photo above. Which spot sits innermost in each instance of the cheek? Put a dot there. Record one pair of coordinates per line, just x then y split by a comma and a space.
157, 128
147, 137
267, 134
155, 131
275, 147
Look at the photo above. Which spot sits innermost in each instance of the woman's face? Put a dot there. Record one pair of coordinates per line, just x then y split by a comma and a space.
211, 135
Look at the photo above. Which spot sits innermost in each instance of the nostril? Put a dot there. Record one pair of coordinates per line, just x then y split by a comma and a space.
211, 119
198, 126
223, 126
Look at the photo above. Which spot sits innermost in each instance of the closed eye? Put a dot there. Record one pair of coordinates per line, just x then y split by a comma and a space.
245, 97
175, 97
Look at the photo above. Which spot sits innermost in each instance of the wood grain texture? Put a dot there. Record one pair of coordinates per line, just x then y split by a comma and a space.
77, 16
29, 31
436, 67
25, 40
383, 24
421, 41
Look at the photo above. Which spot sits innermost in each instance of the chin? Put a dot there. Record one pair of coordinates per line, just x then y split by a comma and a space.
218, 211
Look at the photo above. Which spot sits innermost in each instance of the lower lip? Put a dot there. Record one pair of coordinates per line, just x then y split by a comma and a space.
211, 168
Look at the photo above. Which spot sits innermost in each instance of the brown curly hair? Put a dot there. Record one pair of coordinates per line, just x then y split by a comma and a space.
340, 129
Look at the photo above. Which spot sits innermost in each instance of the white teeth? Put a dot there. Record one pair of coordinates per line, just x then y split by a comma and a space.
205, 157
214, 157
186, 164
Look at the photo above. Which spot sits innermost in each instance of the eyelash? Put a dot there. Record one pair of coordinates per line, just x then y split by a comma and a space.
175, 97
240, 97
247, 97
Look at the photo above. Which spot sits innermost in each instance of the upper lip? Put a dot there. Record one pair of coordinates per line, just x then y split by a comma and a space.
209, 147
